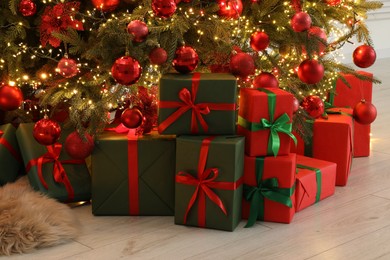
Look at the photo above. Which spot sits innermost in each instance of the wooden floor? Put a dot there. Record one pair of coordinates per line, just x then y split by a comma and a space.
353, 224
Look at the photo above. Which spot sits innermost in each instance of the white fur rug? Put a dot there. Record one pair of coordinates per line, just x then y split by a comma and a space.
30, 220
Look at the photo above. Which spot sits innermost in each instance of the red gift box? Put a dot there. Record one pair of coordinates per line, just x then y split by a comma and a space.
345, 96
269, 184
331, 141
265, 121
315, 181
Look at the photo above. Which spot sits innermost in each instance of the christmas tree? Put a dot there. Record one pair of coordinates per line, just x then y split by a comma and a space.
79, 61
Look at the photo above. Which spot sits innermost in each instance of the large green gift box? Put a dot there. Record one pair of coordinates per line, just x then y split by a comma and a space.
50, 170
203, 103
133, 175
208, 188
11, 164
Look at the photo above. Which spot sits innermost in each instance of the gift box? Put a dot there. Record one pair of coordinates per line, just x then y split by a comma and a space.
50, 170
269, 186
197, 103
349, 96
11, 163
208, 188
264, 118
332, 141
315, 181
133, 175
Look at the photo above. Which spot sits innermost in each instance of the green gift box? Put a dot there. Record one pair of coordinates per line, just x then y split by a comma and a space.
133, 176
208, 187
203, 103
11, 164
59, 176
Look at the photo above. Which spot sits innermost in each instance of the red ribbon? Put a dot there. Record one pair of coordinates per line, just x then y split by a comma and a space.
9, 147
188, 103
204, 183
59, 174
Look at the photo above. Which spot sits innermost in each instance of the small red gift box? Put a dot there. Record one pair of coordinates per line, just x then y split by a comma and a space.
346, 96
265, 121
269, 184
315, 181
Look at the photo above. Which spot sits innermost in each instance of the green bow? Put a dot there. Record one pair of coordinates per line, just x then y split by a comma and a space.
269, 189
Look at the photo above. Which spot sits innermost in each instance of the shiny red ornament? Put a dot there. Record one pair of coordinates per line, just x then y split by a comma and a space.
138, 29
10, 98
158, 56
230, 9
186, 59
364, 56
259, 41
186, 1
333, 2
300, 22
27, 8
126, 70
242, 65
364, 113
265, 80
131, 118
67, 67
295, 105
317, 32
164, 8
310, 71
313, 105
78, 147
106, 5
46, 131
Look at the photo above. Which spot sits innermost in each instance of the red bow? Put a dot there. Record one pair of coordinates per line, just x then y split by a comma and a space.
188, 102
204, 183
59, 174
9, 147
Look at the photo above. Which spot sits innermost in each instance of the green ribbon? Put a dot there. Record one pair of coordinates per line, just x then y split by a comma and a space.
280, 125
268, 188
318, 179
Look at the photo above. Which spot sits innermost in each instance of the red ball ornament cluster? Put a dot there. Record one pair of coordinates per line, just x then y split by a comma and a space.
310, 71
138, 29
27, 8
300, 22
230, 9
164, 8
78, 147
67, 67
11, 97
158, 56
106, 5
313, 105
242, 65
259, 41
46, 131
364, 113
126, 70
186, 59
265, 80
364, 56
131, 118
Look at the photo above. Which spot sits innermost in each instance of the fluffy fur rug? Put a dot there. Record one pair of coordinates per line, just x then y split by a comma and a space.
30, 220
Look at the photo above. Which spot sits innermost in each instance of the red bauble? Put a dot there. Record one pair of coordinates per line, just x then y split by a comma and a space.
27, 8
131, 118
300, 22
295, 104
315, 31
138, 29
310, 71
313, 105
364, 113
259, 41
265, 80
10, 97
46, 131
186, 59
67, 67
158, 56
364, 56
333, 2
78, 147
126, 70
106, 5
164, 8
242, 65
230, 9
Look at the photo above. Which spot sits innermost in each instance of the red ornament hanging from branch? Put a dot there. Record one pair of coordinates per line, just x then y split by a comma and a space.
46, 131
300, 22
78, 147
11, 97
310, 71
67, 67
259, 41
131, 118
27, 8
158, 56
364, 113
106, 5
126, 70
313, 105
230, 9
138, 29
164, 8
265, 80
242, 65
364, 56
186, 59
